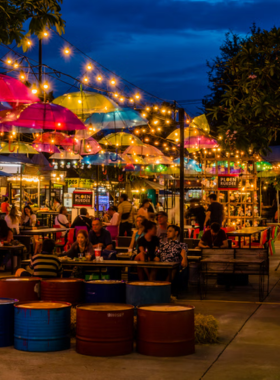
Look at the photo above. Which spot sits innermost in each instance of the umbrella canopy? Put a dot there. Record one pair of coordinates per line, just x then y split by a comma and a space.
14, 91
159, 160
55, 138
3, 174
269, 173
133, 159
41, 160
84, 147
15, 159
121, 118
48, 148
199, 142
188, 133
63, 155
17, 147
121, 139
143, 150
189, 164
12, 128
201, 123
45, 116
5, 106
103, 159
84, 103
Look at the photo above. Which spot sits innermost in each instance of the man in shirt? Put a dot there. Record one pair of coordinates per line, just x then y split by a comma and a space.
215, 212
197, 211
214, 238
112, 211
173, 250
125, 216
162, 226
46, 264
98, 236
82, 220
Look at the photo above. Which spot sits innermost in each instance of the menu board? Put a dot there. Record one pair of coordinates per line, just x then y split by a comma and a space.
228, 182
82, 199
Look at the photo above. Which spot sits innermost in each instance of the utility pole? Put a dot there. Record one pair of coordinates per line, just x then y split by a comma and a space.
182, 177
40, 63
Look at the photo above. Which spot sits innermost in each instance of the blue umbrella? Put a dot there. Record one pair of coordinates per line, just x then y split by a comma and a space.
103, 159
188, 164
122, 118
3, 174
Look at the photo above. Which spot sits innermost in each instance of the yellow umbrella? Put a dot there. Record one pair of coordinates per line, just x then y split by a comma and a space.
85, 103
17, 147
121, 139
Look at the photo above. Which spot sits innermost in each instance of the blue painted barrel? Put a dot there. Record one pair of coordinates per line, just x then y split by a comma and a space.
109, 291
148, 292
7, 321
42, 326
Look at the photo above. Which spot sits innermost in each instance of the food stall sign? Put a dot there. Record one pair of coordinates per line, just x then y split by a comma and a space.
82, 199
228, 182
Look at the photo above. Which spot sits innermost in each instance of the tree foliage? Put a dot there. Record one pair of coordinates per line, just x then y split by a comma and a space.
15, 15
249, 109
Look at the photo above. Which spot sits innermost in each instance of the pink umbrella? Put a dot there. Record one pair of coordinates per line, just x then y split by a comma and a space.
48, 148
144, 150
200, 142
55, 138
46, 116
84, 147
14, 91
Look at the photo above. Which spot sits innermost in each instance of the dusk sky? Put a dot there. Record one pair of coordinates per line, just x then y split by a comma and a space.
159, 45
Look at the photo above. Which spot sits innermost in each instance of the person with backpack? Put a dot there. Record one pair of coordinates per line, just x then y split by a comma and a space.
125, 216
62, 220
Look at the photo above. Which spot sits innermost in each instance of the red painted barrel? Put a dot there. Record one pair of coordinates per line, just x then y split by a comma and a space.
104, 329
23, 289
63, 289
165, 330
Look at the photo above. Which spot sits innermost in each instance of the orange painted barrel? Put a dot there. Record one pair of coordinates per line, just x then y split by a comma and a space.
22, 289
165, 330
104, 329
63, 289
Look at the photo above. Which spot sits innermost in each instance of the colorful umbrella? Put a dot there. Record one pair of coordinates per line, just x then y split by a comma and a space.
199, 142
133, 159
12, 128
159, 160
63, 155
55, 138
14, 91
43, 163
144, 150
16, 147
189, 164
201, 123
3, 174
46, 116
48, 148
84, 147
188, 132
84, 103
118, 119
121, 139
103, 159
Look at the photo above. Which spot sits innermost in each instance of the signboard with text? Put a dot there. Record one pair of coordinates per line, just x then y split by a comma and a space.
82, 199
228, 182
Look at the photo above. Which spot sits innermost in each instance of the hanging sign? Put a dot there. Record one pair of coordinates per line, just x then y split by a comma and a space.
84, 183
228, 182
82, 199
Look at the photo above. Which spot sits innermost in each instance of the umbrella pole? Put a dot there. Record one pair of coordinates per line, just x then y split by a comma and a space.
20, 199
278, 205
39, 201
181, 122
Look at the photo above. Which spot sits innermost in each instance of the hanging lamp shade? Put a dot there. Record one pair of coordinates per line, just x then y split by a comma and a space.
14, 91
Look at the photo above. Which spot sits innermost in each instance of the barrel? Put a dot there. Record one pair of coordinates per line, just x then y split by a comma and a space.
22, 289
104, 329
42, 326
7, 321
165, 330
63, 289
108, 291
148, 292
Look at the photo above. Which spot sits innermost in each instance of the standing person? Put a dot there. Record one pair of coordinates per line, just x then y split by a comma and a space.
196, 211
98, 236
13, 220
46, 264
125, 216
81, 246
138, 233
28, 218
5, 206
159, 207
113, 212
62, 220
148, 246
215, 212
56, 204
82, 220
214, 238
143, 210
162, 226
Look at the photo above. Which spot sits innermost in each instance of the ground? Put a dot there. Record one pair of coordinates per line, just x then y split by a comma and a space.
248, 348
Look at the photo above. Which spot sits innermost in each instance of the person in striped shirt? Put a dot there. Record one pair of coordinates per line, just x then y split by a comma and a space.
46, 264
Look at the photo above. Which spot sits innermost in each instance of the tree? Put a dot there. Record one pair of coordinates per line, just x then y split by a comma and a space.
41, 14
250, 107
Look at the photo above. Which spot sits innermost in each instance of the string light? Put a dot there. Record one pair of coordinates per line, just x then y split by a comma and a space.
16, 65
9, 61
116, 95
22, 75
85, 79
131, 100
89, 67
99, 78
45, 86
113, 82
67, 51
137, 96
34, 89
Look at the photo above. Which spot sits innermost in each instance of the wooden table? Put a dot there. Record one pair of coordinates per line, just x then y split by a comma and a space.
44, 231
13, 250
247, 232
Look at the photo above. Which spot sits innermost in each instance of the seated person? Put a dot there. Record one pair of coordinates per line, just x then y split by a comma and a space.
98, 236
214, 238
173, 250
148, 246
81, 247
28, 218
138, 233
113, 213
82, 220
62, 220
6, 236
46, 264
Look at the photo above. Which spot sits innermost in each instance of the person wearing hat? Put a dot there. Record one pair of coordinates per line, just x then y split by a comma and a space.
162, 226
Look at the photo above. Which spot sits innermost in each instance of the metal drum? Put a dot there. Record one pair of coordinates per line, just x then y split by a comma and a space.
165, 330
104, 329
7, 321
42, 326
63, 289
148, 292
22, 289
109, 291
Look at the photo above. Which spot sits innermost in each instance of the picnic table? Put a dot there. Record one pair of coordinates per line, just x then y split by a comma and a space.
13, 250
247, 232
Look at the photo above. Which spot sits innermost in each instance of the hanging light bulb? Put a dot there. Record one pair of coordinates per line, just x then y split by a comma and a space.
89, 67
45, 86
116, 95
22, 75
113, 82
99, 78
15, 65
131, 100
67, 51
34, 89
9, 61
137, 96
85, 79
